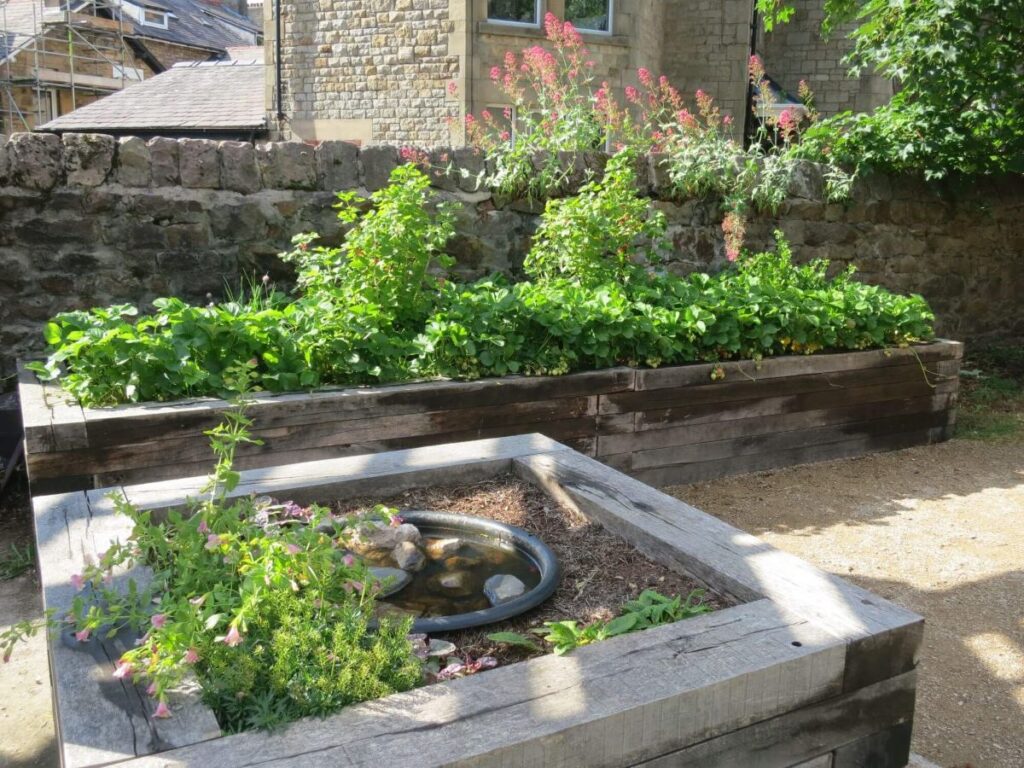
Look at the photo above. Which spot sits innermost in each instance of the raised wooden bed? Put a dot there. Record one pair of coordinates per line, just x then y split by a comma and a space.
807, 670
669, 425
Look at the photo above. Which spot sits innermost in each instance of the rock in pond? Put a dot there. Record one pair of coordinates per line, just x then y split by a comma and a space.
382, 536
457, 584
407, 532
439, 549
408, 556
391, 580
503, 587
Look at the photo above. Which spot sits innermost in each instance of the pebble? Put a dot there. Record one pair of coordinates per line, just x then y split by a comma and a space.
408, 556
440, 648
439, 549
392, 580
454, 584
407, 532
503, 587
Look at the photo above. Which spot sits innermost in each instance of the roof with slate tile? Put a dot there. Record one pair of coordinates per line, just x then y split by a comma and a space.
190, 98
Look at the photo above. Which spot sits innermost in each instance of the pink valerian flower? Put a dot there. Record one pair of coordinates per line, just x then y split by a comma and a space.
162, 710
644, 75
496, 73
77, 581
453, 88
158, 620
191, 656
124, 670
734, 228
632, 94
232, 638
787, 124
213, 541
83, 635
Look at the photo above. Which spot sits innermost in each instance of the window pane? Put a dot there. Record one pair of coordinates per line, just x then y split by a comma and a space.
589, 14
523, 11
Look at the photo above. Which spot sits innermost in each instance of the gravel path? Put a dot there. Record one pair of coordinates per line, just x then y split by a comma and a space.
938, 529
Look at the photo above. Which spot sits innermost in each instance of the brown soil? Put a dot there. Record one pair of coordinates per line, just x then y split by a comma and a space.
600, 571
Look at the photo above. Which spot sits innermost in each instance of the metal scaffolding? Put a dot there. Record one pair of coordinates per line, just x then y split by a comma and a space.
58, 55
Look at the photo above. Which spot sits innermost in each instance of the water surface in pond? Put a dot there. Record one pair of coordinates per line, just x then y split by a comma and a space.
455, 584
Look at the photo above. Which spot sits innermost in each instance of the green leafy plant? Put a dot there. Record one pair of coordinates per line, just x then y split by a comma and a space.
600, 234
649, 609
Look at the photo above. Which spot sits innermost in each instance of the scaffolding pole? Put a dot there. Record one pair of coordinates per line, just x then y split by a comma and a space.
57, 51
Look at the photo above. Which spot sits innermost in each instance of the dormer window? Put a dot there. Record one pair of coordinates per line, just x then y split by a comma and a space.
154, 18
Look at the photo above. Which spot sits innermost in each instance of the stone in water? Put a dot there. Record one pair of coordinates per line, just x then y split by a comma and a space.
407, 532
503, 587
408, 556
439, 549
391, 580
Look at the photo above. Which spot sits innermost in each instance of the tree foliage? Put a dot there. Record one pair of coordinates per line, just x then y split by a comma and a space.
959, 70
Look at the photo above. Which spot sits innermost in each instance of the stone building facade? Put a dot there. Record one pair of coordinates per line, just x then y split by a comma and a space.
797, 51
404, 72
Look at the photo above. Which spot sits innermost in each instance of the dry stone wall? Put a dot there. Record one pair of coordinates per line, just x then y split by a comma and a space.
89, 220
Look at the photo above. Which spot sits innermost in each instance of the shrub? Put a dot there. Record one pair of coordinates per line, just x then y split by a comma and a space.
598, 235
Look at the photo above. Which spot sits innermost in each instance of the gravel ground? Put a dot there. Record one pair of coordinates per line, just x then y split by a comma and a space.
938, 529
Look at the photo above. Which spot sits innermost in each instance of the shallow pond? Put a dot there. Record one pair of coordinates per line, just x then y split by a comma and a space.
454, 584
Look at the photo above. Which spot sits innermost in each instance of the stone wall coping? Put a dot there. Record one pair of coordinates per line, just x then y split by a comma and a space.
43, 162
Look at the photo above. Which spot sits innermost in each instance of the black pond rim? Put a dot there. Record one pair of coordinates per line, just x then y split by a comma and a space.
503, 535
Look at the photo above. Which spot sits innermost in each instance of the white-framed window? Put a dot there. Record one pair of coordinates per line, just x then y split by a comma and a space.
154, 18
591, 15
504, 118
521, 13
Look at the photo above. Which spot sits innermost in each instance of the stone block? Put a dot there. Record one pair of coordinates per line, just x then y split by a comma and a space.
337, 165
131, 166
88, 158
471, 167
377, 164
34, 160
442, 172
163, 155
238, 169
199, 163
287, 165
806, 182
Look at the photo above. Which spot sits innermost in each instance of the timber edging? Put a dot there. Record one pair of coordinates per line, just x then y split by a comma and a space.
665, 426
808, 671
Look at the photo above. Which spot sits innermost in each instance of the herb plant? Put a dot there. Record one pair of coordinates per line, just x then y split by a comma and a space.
253, 598
649, 609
